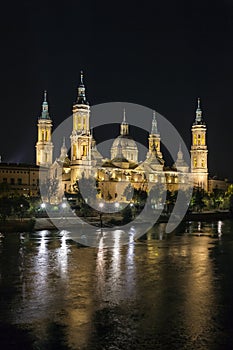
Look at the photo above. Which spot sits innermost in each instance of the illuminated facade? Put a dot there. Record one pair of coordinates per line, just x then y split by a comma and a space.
20, 179
44, 145
123, 168
199, 151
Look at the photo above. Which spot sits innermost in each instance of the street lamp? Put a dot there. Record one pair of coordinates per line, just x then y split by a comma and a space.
21, 212
63, 205
101, 205
132, 210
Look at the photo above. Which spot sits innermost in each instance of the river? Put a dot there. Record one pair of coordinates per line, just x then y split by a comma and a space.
163, 291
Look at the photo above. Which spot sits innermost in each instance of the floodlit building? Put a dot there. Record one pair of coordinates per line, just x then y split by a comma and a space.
123, 168
115, 174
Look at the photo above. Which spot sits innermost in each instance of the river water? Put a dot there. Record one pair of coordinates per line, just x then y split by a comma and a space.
164, 291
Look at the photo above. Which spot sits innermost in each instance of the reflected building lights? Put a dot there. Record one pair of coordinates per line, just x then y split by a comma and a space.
199, 291
220, 223
100, 268
42, 248
130, 265
62, 255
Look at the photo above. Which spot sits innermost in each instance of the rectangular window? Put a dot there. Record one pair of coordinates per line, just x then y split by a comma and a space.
12, 181
19, 181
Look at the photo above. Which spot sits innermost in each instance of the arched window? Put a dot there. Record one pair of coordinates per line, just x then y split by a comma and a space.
74, 152
202, 139
195, 139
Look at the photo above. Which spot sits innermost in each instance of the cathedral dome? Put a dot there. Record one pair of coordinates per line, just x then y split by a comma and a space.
129, 148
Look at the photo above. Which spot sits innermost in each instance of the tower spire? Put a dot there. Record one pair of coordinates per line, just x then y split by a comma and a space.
81, 99
199, 119
81, 77
44, 145
124, 125
45, 107
154, 127
124, 117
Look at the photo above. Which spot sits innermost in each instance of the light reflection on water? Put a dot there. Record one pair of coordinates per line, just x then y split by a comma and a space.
166, 291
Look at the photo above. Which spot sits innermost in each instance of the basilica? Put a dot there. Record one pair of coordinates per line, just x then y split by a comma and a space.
123, 167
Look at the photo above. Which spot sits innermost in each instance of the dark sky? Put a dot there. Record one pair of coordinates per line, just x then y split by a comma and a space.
162, 55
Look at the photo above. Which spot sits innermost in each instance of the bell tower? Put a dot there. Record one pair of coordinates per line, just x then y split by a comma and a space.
44, 145
81, 136
199, 152
154, 139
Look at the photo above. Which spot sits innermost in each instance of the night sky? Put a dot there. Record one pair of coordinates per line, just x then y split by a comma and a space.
160, 54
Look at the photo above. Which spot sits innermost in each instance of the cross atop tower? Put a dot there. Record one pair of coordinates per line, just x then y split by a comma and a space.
154, 127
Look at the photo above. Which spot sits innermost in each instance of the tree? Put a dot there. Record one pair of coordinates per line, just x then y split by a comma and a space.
216, 197
4, 189
139, 196
157, 194
229, 197
109, 196
49, 188
19, 205
128, 192
197, 202
127, 214
86, 189
5, 208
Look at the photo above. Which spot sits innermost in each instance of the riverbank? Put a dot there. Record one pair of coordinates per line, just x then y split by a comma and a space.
208, 215
36, 224
18, 225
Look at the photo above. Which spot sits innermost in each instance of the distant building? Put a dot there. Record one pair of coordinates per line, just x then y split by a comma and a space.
21, 179
217, 184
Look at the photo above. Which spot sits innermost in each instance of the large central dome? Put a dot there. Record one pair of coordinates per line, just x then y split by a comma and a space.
126, 143
128, 146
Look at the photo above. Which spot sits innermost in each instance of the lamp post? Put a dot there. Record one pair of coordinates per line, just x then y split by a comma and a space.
43, 206
63, 209
132, 210
21, 212
101, 205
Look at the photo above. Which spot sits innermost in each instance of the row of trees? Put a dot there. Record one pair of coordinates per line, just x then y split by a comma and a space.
87, 190
16, 206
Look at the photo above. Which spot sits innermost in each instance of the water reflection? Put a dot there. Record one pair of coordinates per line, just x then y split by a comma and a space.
220, 223
162, 291
62, 255
199, 306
